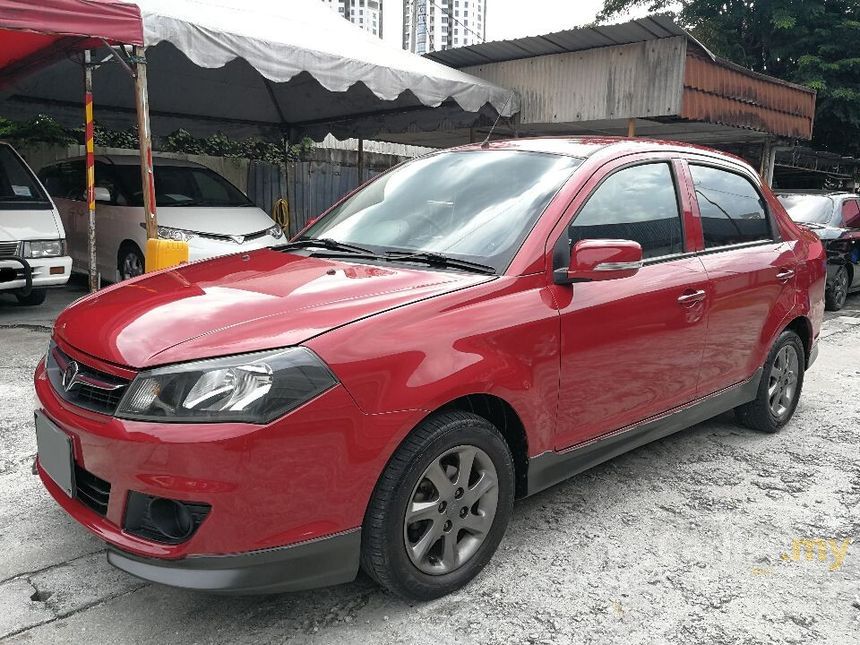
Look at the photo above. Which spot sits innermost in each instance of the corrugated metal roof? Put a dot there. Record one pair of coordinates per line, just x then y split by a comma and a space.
570, 40
717, 93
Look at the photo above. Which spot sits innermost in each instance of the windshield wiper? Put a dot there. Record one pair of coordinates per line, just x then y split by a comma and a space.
439, 260
326, 243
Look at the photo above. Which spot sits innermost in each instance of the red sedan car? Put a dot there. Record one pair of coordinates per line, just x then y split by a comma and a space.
469, 328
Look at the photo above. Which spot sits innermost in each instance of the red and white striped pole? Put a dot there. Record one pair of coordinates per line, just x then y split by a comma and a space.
91, 171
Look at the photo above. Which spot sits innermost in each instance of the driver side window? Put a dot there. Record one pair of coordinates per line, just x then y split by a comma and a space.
639, 203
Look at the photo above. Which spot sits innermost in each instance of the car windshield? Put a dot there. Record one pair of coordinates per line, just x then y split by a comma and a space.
810, 209
471, 205
19, 189
181, 186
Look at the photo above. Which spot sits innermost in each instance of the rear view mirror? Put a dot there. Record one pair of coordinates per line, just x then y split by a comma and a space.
594, 260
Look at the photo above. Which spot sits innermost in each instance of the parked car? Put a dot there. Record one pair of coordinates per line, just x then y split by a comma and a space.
195, 204
32, 241
471, 327
835, 218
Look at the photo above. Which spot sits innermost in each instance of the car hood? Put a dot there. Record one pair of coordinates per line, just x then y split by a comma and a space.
28, 224
239, 220
240, 303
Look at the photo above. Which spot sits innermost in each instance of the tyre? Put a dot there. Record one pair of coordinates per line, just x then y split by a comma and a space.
130, 263
780, 386
35, 297
440, 507
837, 290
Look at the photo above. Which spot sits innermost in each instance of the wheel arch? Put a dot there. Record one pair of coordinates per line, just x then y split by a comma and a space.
126, 244
506, 420
497, 411
802, 326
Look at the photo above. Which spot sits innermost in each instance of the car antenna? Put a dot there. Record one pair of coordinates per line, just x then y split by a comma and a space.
486, 143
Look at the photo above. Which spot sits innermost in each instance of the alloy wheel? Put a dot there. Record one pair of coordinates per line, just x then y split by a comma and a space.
451, 510
782, 383
840, 287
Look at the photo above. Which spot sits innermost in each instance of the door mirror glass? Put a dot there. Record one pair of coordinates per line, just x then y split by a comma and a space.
593, 260
103, 194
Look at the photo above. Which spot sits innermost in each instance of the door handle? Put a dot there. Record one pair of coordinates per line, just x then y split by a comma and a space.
691, 297
785, 275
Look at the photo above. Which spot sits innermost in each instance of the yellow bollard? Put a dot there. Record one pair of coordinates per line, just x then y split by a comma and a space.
163, 254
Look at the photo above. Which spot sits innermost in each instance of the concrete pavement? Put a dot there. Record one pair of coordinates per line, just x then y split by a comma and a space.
690, 539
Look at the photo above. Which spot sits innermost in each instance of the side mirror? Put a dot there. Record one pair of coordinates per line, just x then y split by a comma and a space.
593, 260
102, 194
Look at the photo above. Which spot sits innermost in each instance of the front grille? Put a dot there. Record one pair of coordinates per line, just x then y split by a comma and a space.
91, 491
9, 249
83, 385
231, 238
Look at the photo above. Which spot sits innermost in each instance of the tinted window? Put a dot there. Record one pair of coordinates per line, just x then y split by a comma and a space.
18, 187
732, 210
851, 213
65, 180
181, 186
639, 204
476, 205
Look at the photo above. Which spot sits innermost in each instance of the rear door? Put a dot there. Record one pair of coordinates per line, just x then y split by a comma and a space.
751, 272
631, 348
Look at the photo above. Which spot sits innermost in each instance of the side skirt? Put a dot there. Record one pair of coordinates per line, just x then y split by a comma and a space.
550, 468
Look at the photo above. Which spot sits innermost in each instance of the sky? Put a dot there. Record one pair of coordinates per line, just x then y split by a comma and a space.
510, 18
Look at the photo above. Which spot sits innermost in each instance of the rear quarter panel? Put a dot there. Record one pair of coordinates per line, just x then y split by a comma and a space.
812, 267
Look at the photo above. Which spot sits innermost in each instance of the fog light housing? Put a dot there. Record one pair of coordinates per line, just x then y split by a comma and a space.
164, 520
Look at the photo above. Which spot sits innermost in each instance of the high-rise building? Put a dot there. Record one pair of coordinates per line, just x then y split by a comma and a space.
430, 25
367, 14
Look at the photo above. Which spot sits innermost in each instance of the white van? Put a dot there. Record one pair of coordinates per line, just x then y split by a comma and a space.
194, 203
32, 241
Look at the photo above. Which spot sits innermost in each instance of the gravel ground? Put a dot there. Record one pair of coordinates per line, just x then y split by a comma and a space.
689, 539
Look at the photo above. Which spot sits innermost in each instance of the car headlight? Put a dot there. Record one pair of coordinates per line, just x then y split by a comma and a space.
177, 234
276, 232
44, 248
250, 388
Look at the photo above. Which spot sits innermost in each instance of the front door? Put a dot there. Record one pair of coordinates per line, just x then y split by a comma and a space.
631, 348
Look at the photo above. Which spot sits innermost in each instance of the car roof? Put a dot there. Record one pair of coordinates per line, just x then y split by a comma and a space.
583, 147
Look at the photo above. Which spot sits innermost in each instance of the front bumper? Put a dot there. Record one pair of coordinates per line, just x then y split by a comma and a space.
40, 273
317, 563
301, 480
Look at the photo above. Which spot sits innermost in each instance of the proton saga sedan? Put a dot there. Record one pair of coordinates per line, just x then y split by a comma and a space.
467, 329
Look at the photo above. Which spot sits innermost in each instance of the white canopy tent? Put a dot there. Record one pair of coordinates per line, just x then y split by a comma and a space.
268, 68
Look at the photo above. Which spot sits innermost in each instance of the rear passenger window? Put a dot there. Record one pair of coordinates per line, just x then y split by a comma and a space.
851, 213
733, 211
637, 203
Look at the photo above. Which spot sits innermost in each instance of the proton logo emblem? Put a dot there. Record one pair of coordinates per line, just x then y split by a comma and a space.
238, 239
70, 376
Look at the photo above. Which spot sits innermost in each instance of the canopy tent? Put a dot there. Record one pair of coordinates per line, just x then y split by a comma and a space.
252, 67
243, 67
36, 35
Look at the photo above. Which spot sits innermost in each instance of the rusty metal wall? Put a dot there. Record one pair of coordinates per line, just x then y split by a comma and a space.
717, 92
641, 80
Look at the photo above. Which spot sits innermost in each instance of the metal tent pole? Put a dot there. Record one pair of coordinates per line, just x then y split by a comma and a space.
90, 166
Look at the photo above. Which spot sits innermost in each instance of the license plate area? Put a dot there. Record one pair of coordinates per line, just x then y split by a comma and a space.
55, 454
